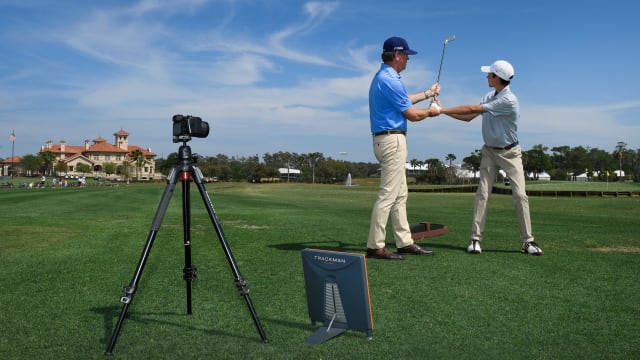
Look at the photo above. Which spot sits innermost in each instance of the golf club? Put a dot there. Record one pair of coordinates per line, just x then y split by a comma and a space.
449, 39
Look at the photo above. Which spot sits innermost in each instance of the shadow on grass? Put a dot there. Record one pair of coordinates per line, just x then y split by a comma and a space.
326, 245
463, 248
111, 313
308, 329
290, 324
336, 245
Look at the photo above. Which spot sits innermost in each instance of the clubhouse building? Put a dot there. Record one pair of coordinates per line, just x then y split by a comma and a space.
100, 152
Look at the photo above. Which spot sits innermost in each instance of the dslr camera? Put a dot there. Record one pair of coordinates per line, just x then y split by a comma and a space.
187, 126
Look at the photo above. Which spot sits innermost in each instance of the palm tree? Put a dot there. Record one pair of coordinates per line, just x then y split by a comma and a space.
451, 158
286, 158
621, 147
48, 158
472, 162
313, 159
138, 157
432, 166
414, 163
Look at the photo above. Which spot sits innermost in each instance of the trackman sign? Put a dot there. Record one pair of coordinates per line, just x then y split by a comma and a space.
330, 259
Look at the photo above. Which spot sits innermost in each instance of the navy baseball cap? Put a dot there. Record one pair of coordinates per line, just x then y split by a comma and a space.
396, 43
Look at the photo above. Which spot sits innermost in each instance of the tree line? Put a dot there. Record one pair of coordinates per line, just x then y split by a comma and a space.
314, 167
561, 163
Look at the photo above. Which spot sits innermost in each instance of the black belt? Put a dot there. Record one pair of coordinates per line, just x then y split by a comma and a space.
508, 147
390, 132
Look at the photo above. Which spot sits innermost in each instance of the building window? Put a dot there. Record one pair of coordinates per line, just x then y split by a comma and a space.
118, 157
96, 157
107, 157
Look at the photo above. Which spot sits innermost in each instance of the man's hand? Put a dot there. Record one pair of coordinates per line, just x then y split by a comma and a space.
434, 90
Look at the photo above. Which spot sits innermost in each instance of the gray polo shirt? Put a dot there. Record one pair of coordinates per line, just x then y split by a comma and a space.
500, 120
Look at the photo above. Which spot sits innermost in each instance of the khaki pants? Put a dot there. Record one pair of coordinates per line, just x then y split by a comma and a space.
391, 152
510, 161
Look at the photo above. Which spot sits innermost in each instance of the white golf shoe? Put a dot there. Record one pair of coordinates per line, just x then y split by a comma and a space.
474, 247
531, 248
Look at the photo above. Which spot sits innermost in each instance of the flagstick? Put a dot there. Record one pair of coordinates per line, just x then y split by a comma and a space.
13, 143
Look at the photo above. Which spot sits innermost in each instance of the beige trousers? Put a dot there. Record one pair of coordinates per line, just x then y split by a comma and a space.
510, 161
391, 152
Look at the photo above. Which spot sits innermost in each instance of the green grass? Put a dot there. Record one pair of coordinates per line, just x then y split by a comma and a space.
65, 254
582, 186
543, 185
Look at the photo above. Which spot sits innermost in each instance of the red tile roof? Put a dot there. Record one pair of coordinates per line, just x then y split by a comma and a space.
146, 152
106, 148
100, 146
11, 160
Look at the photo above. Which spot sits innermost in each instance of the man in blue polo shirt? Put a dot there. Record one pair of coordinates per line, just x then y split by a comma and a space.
389, 109
500, 111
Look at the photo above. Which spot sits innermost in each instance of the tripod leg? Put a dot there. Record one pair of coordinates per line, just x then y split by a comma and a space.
189, 271
130, 290
241, 283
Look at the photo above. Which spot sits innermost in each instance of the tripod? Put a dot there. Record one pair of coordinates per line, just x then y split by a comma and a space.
184, 169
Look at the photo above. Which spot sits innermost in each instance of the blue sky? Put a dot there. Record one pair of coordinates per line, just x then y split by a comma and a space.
276, 75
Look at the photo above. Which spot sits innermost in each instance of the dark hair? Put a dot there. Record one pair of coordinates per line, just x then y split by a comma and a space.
388, 56
502, 81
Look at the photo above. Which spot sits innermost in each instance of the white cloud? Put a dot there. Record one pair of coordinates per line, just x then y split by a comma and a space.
144, 7
595, 126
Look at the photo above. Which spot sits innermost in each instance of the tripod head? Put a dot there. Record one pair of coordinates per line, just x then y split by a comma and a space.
185, 156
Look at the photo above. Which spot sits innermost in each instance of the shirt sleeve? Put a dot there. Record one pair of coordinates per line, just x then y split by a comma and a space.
500, 106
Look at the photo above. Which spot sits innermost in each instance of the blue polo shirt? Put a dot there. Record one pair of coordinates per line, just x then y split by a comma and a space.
387, 100
500, 121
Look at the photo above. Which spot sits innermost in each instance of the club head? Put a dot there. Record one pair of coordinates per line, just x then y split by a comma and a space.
450, 39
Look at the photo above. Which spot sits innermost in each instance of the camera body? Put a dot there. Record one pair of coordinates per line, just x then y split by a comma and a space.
187, 126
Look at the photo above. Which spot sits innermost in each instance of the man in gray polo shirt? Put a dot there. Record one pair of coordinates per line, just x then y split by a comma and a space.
500, 111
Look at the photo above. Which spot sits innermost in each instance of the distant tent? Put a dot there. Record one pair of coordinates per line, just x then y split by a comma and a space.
289, 173
581, 177
540, 176
467, 174
415, 170
423, 167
